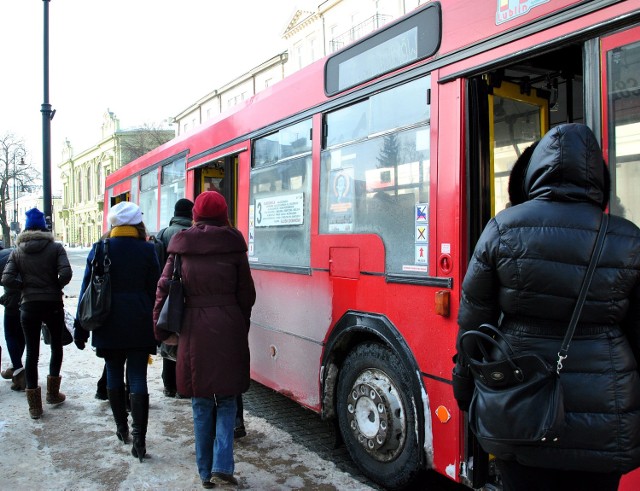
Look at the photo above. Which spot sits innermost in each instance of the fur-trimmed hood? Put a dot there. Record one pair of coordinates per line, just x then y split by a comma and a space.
31, 241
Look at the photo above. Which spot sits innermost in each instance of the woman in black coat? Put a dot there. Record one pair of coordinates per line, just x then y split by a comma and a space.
40, 269
127, 336
525, 274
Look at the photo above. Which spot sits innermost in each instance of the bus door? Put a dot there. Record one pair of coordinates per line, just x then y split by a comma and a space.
504, 119
517, 118
221, 175
620, 65
114, 200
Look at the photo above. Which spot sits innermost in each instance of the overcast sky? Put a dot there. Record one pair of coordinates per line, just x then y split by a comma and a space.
145, 60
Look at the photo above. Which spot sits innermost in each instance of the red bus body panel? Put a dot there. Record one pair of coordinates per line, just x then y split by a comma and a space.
295, 314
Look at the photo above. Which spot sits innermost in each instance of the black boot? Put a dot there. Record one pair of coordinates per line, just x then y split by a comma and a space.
101, 386
239, 430
119, 409
127, 397
140, 417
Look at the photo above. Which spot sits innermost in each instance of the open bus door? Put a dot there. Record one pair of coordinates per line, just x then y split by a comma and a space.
221, 175
517, 118
504, 119
119, 198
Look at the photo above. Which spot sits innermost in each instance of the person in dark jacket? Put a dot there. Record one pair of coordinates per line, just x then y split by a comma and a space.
213, 347
181, 220
40, 269
525, 274
13, 334
127, 337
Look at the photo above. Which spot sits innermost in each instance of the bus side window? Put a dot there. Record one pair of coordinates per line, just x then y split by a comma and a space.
387, 181
280, 197
375, 172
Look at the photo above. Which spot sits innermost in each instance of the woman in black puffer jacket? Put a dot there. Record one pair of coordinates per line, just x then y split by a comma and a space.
525, 274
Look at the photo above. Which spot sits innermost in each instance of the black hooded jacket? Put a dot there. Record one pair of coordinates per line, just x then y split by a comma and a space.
526, 272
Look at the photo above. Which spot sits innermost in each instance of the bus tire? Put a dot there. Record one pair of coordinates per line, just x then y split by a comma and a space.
376, 415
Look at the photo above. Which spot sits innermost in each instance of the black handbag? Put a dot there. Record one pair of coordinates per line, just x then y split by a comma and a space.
170, 318
518, 398
95, 305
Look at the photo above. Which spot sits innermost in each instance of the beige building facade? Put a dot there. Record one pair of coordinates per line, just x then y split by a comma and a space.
80, 218
310, 34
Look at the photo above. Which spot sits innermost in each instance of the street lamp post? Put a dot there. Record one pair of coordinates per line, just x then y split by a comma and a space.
47, 116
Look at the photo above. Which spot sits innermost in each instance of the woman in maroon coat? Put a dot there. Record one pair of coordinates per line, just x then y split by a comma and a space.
213, 347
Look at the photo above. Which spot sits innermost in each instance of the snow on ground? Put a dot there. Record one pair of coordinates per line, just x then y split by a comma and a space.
74, 447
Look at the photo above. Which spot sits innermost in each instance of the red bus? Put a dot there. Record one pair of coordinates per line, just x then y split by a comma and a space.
361, 184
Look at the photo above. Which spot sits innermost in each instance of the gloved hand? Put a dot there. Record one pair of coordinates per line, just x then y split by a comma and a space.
463, 386
79, 343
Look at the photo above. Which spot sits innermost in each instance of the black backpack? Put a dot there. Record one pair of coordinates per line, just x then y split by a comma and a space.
161, 250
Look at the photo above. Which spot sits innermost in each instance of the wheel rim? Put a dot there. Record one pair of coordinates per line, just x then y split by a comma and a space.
376, 415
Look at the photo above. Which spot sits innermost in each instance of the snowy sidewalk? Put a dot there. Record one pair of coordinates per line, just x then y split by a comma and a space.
74, 447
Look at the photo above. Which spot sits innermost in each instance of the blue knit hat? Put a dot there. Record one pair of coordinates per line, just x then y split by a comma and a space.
35, 220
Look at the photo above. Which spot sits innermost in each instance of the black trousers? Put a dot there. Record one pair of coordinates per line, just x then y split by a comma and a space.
32, 316
518, 477
169, 374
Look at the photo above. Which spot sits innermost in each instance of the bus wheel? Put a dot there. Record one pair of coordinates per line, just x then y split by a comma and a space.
377, 417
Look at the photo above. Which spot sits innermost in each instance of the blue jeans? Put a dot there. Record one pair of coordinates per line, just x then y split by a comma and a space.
14, 336
213, 422
137, 363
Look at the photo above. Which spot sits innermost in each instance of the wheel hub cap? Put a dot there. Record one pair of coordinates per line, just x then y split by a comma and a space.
376, 415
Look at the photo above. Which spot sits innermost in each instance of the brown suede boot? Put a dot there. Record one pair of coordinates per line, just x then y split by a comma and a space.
19, 381
34, 399
54, 396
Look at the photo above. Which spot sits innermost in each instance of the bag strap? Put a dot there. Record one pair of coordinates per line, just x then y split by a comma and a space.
107, 260
586, 282
94, 261
177, 267
482, 340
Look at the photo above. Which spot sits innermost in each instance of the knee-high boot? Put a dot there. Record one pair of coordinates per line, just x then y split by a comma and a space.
140, 417
117, 400
34, 398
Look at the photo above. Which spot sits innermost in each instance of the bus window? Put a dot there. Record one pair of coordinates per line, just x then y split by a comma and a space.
211, 178
280, 198
287, 142
374, 185
149, 199
518, 120
623, 128
172, 188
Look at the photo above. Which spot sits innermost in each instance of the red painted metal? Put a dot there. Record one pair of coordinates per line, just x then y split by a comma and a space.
295, 313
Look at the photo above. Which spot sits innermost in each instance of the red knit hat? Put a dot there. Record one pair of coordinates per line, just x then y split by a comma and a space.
210, 205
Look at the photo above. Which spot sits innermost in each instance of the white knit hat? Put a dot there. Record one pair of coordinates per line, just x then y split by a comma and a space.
125, 213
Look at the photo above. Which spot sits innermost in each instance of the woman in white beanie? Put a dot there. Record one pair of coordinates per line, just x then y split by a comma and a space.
127, 336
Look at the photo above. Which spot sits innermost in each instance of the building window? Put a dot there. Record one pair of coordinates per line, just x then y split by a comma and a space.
89, 189
312, 49
79, 185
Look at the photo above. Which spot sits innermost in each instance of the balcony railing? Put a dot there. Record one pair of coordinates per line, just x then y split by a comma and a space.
358, 31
